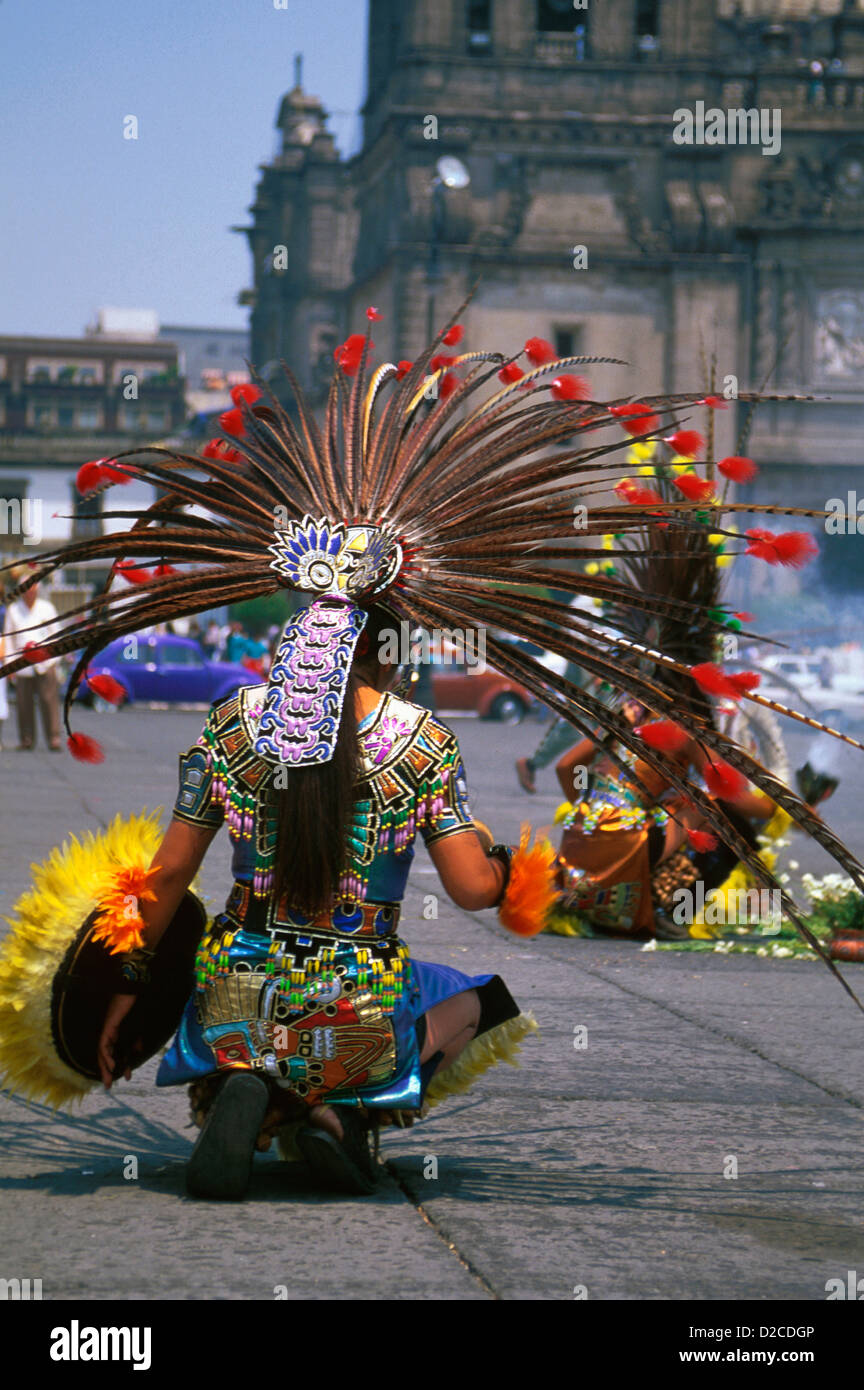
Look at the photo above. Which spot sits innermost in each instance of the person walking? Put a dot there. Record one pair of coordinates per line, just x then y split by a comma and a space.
40, 681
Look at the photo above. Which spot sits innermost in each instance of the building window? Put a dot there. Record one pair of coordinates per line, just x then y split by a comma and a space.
66, 417
40, 374
647, 27
142, 419
558, 17
87, 376
89, 417
478, 20
569, 340
43, 416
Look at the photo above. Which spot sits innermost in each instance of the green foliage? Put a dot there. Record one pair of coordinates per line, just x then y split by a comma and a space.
257, 614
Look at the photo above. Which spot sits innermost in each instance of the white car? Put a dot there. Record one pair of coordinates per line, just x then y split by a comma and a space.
846, 692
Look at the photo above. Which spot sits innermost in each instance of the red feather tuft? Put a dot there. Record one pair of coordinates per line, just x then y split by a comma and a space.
165, 572
745, 680
349, 353
695, 489
539, 352
663, 735
453, 335
441, 359
642, 496
85, 748
635, 418
745, 617
114, 475
447, 385
128, 571
89, 476
688, 443
702, 840
570, 388
714, 681
793, 548
403, 368
510, 373
714, 402
724, 781
106, 686
35, 653
373, 314
247, 392
738, 469
231, 421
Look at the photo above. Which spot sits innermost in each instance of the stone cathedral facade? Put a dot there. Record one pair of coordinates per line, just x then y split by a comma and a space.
670, 183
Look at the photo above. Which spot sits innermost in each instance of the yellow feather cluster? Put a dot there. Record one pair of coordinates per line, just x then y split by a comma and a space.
66, 887
499, 1044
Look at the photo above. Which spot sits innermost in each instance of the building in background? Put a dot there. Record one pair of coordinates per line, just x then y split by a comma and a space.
531, 145
65, 401
211, 361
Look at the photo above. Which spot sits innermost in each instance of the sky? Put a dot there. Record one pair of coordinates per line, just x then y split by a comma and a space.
88, 218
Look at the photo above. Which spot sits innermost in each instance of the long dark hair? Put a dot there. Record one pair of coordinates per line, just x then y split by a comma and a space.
314, 808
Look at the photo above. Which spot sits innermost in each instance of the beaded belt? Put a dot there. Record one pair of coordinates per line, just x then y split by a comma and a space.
345, 918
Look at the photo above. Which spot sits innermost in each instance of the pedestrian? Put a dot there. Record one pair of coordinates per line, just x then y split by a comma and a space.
39, 681
826, 671
212, 641
4, 703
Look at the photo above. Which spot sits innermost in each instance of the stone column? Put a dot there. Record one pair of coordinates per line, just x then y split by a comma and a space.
612, 29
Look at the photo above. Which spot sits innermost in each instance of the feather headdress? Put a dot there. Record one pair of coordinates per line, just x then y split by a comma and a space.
453, 489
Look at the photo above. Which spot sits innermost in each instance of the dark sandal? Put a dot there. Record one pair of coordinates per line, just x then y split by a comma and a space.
348, 1165
221, 1162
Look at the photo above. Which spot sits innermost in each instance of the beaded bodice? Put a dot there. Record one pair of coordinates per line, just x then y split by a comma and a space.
411, 780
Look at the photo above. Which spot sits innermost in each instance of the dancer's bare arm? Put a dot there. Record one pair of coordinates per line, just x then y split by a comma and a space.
469, 876
178, 859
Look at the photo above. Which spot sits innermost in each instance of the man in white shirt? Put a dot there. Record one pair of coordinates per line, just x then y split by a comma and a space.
40, 681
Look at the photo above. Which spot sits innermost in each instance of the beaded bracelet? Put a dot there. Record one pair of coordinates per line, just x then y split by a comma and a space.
504, 854
135, 970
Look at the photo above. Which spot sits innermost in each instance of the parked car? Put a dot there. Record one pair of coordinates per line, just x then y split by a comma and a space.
465, 689
167, 669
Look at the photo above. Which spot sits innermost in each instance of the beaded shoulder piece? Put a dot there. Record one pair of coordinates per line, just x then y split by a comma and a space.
410, 780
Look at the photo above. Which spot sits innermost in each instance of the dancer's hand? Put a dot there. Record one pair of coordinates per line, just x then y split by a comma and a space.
118, 1008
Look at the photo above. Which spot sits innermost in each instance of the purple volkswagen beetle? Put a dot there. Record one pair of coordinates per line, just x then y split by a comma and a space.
167, 668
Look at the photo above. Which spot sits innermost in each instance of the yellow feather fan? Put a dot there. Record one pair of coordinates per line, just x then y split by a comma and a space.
66, 888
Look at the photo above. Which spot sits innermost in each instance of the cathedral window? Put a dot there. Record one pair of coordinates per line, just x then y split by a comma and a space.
478, 21
558, 17
569, 340
647, 26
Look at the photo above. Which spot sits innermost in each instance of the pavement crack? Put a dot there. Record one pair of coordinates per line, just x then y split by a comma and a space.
746, 1044
425, 1215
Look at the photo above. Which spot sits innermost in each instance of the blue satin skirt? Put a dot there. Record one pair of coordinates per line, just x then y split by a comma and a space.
348, 1045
